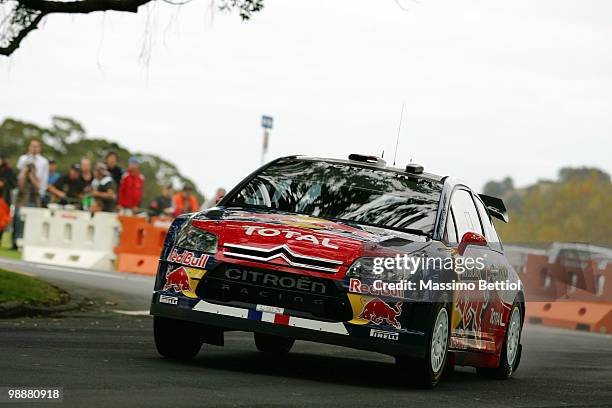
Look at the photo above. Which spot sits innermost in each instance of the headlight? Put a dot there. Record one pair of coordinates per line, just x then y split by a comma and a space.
195, 239
382, 268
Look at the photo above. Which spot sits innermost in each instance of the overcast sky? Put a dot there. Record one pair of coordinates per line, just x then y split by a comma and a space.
491, 88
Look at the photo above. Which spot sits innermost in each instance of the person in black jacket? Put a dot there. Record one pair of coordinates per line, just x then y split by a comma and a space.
162, 205
113, 168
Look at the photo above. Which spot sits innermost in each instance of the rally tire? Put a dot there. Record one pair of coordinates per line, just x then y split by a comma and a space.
278, 345
511, 350
177, 339
426, 372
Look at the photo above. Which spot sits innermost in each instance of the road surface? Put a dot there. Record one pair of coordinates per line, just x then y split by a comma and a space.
105, 357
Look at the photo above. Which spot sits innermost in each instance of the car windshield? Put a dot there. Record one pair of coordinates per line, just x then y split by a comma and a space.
344, 192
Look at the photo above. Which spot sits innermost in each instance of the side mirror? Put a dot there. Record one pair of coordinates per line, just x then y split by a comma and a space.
471, 238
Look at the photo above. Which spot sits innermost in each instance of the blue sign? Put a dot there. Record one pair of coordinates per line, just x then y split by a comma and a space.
267, 122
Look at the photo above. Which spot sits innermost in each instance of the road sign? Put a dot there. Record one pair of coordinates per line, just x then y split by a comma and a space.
267, 122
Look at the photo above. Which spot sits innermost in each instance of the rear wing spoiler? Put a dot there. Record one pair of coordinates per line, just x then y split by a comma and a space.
495, 206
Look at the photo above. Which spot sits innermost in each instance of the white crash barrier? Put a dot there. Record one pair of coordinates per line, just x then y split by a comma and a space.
70, 238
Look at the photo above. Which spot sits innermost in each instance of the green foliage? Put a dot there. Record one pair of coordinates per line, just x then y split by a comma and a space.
498, 189
575, 208
66, 140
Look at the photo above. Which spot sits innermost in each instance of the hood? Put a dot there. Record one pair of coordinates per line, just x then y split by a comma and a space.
291, 241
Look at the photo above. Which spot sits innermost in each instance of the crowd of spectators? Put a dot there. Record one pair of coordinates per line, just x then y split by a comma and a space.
36, 182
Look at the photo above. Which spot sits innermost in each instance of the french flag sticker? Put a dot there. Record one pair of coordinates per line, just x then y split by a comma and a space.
269, 314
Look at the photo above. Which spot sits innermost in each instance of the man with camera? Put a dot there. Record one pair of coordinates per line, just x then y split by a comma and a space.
32, 183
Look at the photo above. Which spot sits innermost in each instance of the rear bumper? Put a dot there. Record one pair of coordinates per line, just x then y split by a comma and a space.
408, 344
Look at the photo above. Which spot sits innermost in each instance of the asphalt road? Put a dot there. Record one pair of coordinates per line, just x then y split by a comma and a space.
103, 357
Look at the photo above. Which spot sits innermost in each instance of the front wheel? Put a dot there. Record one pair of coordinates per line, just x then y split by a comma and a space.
511, 349
426, 372
177, 339
273, 344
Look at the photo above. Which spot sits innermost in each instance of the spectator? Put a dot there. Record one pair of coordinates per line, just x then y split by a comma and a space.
185, 202
113, 168
8, 181
102, 188
68, 189
162, 204
41, 165
53, 177
86, 173
130, 189
215, 200
28, 195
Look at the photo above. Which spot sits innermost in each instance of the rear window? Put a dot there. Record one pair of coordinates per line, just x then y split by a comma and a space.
344, 192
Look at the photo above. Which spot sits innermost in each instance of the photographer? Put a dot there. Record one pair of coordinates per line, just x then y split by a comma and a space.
28, 195
28, 183
40, 163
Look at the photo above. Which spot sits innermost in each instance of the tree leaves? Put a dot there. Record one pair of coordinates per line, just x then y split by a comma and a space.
66, 140
575, 208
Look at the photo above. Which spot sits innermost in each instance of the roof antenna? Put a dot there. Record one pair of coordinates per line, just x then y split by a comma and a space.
382, 156
398, 133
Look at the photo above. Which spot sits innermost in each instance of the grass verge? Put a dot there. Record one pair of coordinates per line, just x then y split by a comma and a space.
5, 245
9, 253
15, 287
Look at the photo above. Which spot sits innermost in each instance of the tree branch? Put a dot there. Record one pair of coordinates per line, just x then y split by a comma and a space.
15, 42
85, 6
25, 10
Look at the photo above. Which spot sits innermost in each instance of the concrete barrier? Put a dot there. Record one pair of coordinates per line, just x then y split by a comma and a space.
70, 238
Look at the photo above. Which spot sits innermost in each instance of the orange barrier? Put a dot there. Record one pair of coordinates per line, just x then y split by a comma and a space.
588, 282
587, 316
141, 244
570, 294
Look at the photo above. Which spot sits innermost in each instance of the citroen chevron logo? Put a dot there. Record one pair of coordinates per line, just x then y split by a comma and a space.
285, 253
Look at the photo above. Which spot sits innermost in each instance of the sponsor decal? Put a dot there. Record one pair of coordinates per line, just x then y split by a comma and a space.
378, 312
188, 258
270, 295
288, 234
177, 280
356, 286
301, 283
171, 300
496, 319
382, 334
471, 311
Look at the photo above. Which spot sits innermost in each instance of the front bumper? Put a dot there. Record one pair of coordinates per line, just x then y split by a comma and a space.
341, 334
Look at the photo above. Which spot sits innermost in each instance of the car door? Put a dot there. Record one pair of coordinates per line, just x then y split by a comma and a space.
469, 329
500, 299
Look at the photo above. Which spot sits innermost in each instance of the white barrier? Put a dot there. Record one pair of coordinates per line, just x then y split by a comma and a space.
70, 238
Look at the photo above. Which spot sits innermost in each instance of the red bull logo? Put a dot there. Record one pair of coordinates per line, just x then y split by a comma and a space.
377, 312
471, 311
178, 280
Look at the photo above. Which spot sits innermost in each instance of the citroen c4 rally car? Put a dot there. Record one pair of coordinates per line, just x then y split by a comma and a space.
294, 252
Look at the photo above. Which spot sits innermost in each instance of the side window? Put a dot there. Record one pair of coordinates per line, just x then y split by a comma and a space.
489, 229
450, 235
466, 217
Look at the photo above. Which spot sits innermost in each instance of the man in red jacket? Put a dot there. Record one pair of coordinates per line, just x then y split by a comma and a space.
130, 189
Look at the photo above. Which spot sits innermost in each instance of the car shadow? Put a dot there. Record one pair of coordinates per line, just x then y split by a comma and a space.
340, 370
